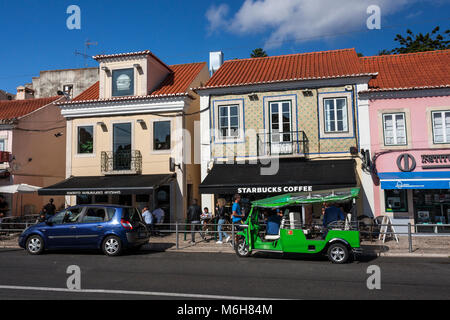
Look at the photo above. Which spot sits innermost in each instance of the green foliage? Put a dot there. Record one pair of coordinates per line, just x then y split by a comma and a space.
258, 53
420, 42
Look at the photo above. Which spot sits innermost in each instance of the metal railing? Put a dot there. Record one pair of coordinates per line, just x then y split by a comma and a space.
120, 162
285, 143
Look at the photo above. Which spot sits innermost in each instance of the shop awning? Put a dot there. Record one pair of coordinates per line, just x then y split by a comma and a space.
292, 176
415, 180
105, 185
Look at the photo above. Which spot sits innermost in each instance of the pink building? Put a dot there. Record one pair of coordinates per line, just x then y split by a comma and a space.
409, 120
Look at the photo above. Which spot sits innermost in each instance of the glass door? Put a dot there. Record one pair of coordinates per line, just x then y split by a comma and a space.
280, 127
122, 146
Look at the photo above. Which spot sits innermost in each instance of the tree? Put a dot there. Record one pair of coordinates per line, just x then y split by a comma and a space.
258, 53
420, 42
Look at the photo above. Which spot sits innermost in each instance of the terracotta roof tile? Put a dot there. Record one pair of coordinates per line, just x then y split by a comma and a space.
175, 84
303, 66
13, 109
420, 70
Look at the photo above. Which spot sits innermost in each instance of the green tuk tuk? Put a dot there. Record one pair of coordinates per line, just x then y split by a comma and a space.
339, 240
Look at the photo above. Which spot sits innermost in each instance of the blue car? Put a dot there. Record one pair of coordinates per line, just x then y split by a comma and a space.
107, 227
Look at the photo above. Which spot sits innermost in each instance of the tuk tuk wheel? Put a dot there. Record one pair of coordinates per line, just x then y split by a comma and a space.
338, 253
241, 248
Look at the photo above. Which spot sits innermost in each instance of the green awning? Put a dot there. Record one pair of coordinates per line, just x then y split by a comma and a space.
337, 195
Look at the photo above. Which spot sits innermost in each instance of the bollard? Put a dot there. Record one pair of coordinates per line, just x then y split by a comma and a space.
410, 238
176, 232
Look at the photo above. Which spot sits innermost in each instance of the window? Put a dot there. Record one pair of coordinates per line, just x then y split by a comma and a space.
94, 215
161, 135
123, 82
394, 127
441, 126
67, 216
85, 139
336, 115
396, 200
229, 121
2, 144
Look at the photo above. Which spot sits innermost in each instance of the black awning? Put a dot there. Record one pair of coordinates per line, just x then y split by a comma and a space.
292, 176
104, 185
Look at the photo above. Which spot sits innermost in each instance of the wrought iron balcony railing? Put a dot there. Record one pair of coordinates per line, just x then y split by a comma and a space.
293, 143
121, 162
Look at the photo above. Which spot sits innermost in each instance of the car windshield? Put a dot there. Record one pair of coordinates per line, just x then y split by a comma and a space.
69, 215
131, 215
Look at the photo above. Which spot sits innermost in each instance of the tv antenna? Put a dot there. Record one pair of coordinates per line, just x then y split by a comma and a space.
84, 54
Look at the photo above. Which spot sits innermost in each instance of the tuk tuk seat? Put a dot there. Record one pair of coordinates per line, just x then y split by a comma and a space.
276, 236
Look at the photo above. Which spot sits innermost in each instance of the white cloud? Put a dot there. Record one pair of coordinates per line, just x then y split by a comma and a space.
297, 19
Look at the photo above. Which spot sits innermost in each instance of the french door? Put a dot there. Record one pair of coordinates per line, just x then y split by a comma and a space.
122, 146
281, 127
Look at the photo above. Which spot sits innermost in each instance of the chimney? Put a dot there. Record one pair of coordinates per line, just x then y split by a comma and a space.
24, 93
215, 61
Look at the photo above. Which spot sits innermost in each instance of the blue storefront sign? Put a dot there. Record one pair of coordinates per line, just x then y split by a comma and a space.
415, 180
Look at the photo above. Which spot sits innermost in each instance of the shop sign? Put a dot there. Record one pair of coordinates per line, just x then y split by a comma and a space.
94, 193
437, 161
406, 162
284, 189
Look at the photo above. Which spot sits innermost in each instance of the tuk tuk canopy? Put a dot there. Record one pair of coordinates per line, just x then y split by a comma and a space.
303, 198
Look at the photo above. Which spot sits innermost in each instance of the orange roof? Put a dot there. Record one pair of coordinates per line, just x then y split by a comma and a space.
13, 109
294, 67
175, 84
422, 70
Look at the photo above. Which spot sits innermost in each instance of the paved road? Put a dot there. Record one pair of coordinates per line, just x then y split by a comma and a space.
167, 275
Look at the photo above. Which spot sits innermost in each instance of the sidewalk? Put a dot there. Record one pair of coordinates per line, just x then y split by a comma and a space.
423, 246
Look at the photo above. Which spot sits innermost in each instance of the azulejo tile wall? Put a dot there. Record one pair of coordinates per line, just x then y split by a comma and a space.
305, 117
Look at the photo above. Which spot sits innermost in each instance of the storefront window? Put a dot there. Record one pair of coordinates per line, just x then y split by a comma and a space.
432, 207
396, 200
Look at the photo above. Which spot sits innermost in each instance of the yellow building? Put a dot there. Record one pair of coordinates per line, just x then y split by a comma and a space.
124, 130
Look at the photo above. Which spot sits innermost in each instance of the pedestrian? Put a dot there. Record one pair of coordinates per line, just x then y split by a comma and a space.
148, 219
236, 215
221, 215
159, 215
205, 217
50, 208
193, 214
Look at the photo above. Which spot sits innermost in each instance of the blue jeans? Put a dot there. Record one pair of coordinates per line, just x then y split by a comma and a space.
219, 228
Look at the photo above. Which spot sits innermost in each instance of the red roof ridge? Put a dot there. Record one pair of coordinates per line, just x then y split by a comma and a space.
5, 102
407, 54
293, 54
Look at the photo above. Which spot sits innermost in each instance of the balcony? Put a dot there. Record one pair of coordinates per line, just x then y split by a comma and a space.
121, 162
283, 144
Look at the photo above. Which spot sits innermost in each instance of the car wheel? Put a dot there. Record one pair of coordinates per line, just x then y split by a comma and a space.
112, 246
241, 248
338, 253
35, 245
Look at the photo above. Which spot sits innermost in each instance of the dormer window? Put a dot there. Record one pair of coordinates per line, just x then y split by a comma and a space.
123, 82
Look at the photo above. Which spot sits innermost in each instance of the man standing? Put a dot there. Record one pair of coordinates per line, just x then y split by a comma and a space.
159, 216
193, 215
50, 208
148, 218
237, 215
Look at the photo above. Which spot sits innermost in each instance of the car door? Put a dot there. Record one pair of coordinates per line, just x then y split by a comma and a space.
92, 226
62, 229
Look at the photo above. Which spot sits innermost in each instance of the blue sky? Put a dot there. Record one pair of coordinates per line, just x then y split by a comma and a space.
35, 37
